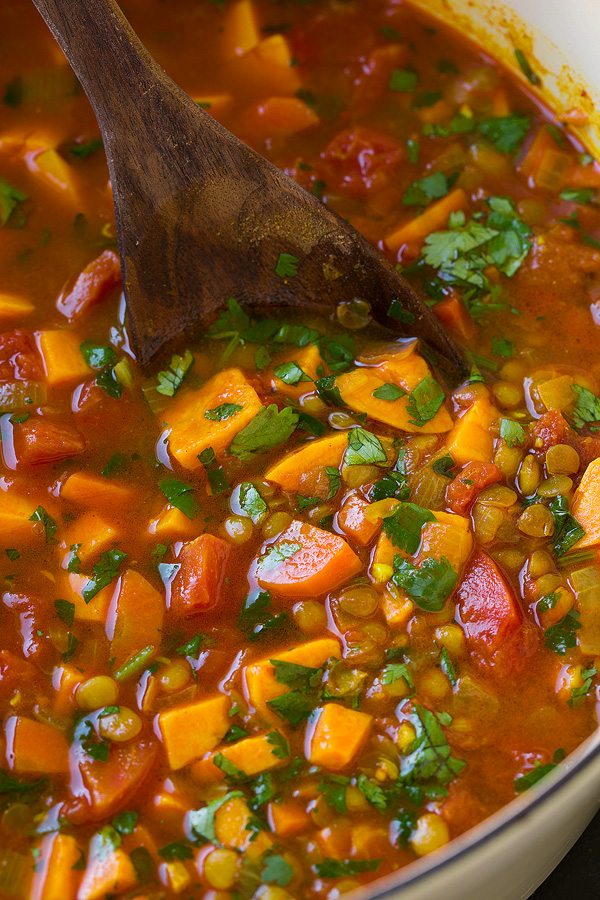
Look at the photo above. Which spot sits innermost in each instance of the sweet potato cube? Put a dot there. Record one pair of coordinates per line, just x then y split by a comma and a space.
288, 819
309, 360
260, 683
267, 69
15, 519
135, 616
198, 584
306, 561
109, 871
251, 755
92, 284
353, 522
435, 218
56, 874
231, 828
94, 611
471, 438
93, 535
278, 117
172, 525
303, 470
63, 360
240, 32
338, 736
90, 490
586, 505
406, 372
35, 748
190, 731
191, 432
14, 307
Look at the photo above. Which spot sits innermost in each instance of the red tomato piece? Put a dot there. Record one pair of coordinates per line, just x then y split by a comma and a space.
462, 490
103, 787
40, 441
489, 611
199, 581
376, 70
360, 161
91, 285
19, 358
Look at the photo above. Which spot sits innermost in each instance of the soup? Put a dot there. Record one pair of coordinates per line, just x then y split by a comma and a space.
289, 613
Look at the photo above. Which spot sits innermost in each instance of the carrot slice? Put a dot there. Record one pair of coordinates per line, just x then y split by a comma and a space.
433, 219
353, 522
306, 561
197, 587
56, 874
303, 470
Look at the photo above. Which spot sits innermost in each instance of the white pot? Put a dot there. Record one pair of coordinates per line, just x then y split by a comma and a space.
509, 855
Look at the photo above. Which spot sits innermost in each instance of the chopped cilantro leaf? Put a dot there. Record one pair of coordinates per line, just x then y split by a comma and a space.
276, 870
403, 527
290, 373
200, 823
578, 195
333, 788
396, 311
98, 355
269, 428
176, 850
444, 466
328, 391
403, 81
223, 412
279, 744
364, 449
215, 473
65, 610
424, 401
578, 693
287, 265
430, 585
567, 530
10, 200
252, 503
48, 523
562, 637
339, 868
181, 496
512, 433
506, 133
529, 779
394, 672
372, 792
587, 408
503, 347
429, 757
448, 667
335, 481
104, 571
12, 553
170, 380
86, 148
424, 190
389, 392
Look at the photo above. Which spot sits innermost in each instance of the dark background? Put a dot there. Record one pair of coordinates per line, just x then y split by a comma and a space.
578, 876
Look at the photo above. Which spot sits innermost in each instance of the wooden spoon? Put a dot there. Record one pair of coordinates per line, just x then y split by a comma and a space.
201, 217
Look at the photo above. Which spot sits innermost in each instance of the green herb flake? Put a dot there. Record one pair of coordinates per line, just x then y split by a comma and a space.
448, 667
340, 868
531, 778
525, 67
48, 523
287, 265
170, 380
394, 672
389, 392
567, 530
86, 148
372, 792
11, 199
424, 401
65, 610
444, 466
403, 81
586, 410
512, 433
423, 191
125, 822
276, 870
176, 850
506, 133
430, 585
403, 527
104, 571
98, 355
252, 503
12, 553
200, 823
180, 495
429, 757
563, 636
364, 449
269, 428
291, 373
223, 412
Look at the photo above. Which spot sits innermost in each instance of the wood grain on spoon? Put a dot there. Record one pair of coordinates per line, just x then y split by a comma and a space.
201, 217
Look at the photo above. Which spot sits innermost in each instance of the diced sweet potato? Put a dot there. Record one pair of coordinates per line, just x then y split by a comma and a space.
278, 117
63, 361
471, 438
251, 755
172, 525
435, 218
198, 584
135, 617
56, 874
232, 829
109, 871
309, 360
338, 736
260, 683
191, 432
92, 535
586, 505
94, 611
190, 731
33, 748
97, 279
89, 490
288, 819
306, 561
353, 522
303, 470
41, 441
16, 526
240, 32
